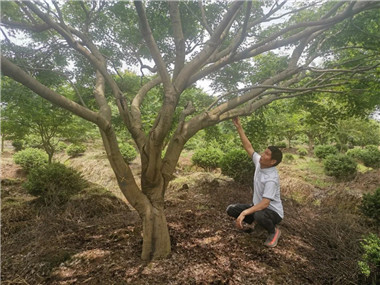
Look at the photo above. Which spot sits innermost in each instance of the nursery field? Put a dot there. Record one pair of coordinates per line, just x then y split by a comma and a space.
95, 238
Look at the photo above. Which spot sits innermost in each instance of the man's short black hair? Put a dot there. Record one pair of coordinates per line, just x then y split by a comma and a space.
276, 154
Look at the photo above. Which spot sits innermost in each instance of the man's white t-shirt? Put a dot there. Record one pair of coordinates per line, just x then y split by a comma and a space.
266, 184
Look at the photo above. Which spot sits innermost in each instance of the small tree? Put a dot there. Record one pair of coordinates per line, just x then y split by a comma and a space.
27, 114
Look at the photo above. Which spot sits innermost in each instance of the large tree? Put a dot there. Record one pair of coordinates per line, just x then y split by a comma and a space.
178, 44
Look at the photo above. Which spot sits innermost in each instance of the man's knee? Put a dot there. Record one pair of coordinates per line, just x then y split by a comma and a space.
230, 210
260, 217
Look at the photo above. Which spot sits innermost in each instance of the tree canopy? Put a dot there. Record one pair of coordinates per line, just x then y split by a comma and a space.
254, 52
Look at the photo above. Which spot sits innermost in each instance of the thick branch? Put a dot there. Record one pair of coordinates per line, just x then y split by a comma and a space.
24, 26
96, 59
178, 37
104, 108
151, 43
10, 69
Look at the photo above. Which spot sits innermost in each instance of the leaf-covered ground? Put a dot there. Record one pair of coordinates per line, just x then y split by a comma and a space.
96, 238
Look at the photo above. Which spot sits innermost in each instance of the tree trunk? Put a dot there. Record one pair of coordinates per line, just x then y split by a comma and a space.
311, 143
148, 201
2, 143
156, 239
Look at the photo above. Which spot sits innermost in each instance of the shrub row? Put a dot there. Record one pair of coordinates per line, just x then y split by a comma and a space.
340, 166
235, 163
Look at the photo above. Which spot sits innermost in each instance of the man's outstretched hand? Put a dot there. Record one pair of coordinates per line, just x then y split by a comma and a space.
236, 122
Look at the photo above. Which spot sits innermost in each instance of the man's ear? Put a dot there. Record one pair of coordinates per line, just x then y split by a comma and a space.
273, 162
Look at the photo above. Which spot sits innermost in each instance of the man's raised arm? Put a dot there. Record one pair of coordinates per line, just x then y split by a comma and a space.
246, 143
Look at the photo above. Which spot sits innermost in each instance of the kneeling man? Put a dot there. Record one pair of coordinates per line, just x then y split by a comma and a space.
266, 209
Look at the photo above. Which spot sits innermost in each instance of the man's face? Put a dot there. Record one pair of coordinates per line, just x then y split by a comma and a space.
266, 159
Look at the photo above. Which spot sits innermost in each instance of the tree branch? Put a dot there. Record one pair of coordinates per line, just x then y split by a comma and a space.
11, 70
204, 19
178, 38
211, 46
24, 26
273, 41
151, 43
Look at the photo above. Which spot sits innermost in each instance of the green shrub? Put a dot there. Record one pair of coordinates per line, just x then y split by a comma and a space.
288, 158
128, 152
192, 144
370, 156
372, 148
370, 261
75, 150
18, 145
322, 151
32, 141
30, 158
61, 146
370, 205
237, 165
281, 144
302, 151
54, 183
340, 166
355, 153
208, 157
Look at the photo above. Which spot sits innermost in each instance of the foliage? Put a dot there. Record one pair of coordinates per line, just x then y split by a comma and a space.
370, 261
237, 165
75, 150
288, 158
35, 121
17, 144
54, 183
61, 146
340, 166
128, 152
256, 128
370, 156
281, 144
30, 158
207, 158
302, 151
370, 205
193, 143
355, 153
322, 151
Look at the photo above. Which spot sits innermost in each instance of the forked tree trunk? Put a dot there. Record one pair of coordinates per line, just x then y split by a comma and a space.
148, 202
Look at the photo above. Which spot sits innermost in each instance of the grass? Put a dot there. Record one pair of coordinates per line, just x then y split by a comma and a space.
311, 165
363, 169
